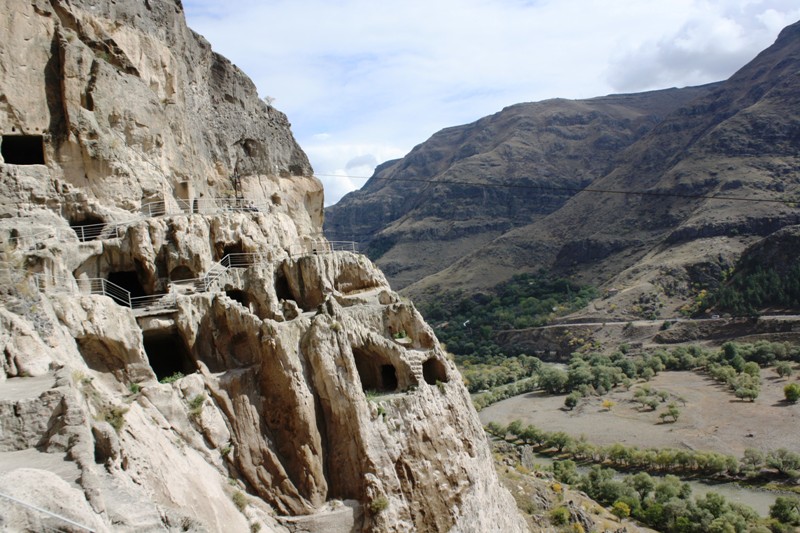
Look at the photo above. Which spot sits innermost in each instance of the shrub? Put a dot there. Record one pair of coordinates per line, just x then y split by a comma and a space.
196, 404
559, 516
783, 369
378, 504
135, 388
572, 399
239, 500
114, 416
792, 392
173, 378
621, 509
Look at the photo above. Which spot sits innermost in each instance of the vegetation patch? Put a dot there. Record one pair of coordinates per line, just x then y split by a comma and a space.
469, 325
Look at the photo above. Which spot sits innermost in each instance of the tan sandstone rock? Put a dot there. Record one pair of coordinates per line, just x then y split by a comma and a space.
193, 356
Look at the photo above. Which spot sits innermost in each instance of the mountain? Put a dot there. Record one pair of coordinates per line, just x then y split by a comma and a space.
646, 223
468, 185
179, 350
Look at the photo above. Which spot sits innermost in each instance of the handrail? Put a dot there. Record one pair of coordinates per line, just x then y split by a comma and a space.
205, 283
157, 208
45, 511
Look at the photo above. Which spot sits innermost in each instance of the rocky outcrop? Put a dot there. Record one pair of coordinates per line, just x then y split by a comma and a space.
181, 350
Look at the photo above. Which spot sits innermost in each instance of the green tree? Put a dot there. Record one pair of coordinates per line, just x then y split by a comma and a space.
552, 379
572, 399
558, 440
784, 461
566, 471
783, 369
515, 428
786, 509
621, 509
753, 460
642, 483
672, 412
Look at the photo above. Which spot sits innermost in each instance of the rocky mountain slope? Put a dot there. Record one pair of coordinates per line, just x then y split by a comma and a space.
181, 350
468, 185
736, 140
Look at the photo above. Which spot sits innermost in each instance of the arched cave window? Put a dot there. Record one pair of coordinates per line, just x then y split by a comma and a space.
23, 149
375, 371
167, 353
128, 281
433, 370
181, 272
88, 227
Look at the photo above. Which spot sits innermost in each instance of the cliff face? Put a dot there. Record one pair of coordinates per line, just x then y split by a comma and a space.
158, 220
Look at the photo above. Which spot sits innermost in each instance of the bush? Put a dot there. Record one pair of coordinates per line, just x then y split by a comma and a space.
114, 416
239, 500
621, 509
173, 378
379, 504
792, 392
572, 399
559, 516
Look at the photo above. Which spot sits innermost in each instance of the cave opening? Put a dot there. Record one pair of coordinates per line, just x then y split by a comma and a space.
22, 149
127, 280
239, 296
433, 371
282, 289
229, 249
167, 353
87, 227
181, 272
375, 371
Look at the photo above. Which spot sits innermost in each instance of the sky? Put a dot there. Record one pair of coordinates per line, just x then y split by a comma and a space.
364, 81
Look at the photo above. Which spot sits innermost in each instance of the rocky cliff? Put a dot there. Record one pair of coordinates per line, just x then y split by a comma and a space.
181, 350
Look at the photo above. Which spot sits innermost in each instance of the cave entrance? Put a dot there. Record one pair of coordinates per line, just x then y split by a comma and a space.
88, 227
238, 295
167, 353
181, 272
375, 371
229, 249
126, 280
282, 289
433, 371
22, 149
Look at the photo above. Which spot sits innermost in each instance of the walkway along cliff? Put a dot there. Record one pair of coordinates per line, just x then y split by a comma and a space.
181, 350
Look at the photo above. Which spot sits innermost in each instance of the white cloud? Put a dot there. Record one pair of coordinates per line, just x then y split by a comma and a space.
359, 78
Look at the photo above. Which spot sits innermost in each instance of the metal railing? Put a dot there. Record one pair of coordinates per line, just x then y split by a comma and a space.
173, 206
203, 206
46, 512
168, 300
92, 232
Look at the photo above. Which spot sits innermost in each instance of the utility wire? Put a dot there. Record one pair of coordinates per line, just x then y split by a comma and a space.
567, 189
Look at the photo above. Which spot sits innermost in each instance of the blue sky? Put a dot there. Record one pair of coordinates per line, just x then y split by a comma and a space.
363, 82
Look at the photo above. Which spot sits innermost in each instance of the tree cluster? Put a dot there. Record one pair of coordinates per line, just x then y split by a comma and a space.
754, 287
468, 326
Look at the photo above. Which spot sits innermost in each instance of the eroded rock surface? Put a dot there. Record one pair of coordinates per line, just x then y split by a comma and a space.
180, 348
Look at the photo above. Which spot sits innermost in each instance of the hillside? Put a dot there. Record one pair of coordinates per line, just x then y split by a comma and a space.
737, 140
509, 169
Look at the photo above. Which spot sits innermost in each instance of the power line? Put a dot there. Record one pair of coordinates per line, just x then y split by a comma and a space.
567, 189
